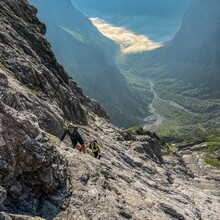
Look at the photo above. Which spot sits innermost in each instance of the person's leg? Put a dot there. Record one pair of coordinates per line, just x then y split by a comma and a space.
78, 147
96, 154
99, 155
83, 147
74, 143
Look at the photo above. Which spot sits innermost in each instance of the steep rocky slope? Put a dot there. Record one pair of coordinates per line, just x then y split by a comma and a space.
135, 179
89, 58
36, 95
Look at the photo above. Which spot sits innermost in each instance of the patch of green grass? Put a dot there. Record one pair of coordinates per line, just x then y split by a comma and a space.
189, 114
198, 123
178, 116
182, 134
211, 156
170, 148
212, 162
137, 130
33, 69
6, 66
214, 139
3, 64
52, 139
33, 92
92, 117
76, 35
183, 94
183, 126
140, 86
1, 23
179, 125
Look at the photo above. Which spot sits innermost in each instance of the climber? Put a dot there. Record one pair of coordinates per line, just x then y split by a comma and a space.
75, 137
93, 145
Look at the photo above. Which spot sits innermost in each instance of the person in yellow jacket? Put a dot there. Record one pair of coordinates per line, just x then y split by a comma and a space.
95, 148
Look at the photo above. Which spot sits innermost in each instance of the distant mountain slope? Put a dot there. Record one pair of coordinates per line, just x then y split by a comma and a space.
194, 53
89, 57
186, 74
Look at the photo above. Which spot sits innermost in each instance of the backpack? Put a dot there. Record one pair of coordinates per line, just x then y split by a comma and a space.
96, 147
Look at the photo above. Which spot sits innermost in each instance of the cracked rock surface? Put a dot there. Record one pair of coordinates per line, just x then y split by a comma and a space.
136, 177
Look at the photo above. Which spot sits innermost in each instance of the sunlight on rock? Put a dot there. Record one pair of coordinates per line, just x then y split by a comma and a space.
129, 41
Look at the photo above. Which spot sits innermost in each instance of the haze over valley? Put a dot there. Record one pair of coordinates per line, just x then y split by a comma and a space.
158, 24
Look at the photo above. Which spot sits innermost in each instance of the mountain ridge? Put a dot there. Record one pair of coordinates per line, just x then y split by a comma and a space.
89, 58
194, 38
185, 72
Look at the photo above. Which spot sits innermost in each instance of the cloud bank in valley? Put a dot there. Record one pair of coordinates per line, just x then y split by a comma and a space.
128, 41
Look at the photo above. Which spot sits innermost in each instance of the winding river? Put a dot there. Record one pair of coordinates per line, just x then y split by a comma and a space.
154, 121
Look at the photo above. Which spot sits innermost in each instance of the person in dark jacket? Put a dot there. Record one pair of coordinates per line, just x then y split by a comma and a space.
75, 137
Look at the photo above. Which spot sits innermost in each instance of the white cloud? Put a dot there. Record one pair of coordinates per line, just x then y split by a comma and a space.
129, 41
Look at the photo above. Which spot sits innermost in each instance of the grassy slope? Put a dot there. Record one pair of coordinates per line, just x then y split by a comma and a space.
213, 151
188, 118
141, 87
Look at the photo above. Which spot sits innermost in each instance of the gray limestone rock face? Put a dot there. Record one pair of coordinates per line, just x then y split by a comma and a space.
36, 97
31, 169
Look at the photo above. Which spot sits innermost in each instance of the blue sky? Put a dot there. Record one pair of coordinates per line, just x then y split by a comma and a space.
159, 8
